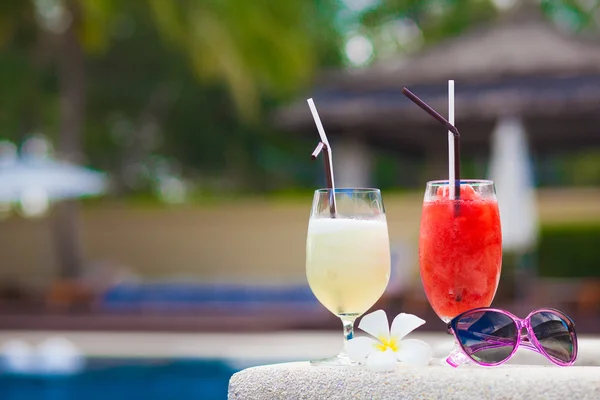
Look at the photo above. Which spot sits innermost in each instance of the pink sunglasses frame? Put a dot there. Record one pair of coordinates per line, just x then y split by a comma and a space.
528, 341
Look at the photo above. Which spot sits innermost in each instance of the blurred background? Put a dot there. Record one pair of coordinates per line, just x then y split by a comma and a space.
156, 181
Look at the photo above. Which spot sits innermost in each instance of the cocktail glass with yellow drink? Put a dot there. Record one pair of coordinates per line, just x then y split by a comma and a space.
347, 255
347, 247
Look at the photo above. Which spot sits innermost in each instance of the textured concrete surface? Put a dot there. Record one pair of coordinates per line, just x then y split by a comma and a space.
300, 380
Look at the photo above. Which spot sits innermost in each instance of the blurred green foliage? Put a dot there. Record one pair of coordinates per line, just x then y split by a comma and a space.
178, 86
388, 23
186, 87
436, 20
582, 168
569, 250
248, 45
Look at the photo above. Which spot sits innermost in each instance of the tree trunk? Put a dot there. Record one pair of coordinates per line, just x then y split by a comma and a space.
71, 69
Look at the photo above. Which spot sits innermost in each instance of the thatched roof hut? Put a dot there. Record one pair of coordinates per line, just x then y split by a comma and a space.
521, 65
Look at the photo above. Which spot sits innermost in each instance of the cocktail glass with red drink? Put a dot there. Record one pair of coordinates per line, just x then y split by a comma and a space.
460, 247
460, 241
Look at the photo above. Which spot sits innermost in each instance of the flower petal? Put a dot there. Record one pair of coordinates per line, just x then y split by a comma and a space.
382, 361
404, 324
414, 352
359, 348
376, 324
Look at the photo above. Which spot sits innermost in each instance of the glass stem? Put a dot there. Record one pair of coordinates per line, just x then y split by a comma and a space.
348, 331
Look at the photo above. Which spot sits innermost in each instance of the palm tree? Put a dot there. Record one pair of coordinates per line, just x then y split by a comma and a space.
249, 45
252, 47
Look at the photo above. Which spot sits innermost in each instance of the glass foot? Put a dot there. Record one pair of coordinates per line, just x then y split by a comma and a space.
341, 360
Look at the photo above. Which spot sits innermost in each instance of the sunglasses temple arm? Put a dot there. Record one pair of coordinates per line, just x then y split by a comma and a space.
457, 357
530, 346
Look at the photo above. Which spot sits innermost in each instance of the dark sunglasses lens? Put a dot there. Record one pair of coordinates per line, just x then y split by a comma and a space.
488, 337
554, 335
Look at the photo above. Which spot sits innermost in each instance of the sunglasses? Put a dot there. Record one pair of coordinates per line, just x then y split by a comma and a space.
490, 337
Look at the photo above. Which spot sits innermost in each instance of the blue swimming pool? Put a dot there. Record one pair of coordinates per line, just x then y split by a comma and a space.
125, 379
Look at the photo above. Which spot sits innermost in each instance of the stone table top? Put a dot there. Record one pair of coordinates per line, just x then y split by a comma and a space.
300, 380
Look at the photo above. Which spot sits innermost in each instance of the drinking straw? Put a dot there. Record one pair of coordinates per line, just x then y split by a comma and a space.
450, 127
451, 177
317, 151
324, 145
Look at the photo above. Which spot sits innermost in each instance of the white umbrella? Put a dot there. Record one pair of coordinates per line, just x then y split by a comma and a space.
510, 169
35, 179
59, 180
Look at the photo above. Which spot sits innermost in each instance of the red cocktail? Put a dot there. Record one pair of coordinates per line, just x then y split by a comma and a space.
460, 247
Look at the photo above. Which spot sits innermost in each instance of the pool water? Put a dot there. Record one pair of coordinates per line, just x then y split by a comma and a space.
117, 379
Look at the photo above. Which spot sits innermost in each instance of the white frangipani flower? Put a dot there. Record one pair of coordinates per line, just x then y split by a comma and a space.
383, 352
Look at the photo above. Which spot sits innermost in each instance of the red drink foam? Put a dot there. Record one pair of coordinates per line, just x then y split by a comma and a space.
460, 255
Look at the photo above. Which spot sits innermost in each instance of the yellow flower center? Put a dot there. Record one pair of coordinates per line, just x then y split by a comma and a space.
385, 344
